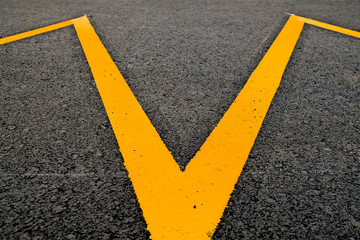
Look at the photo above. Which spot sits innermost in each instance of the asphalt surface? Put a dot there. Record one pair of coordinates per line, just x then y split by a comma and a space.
62, 176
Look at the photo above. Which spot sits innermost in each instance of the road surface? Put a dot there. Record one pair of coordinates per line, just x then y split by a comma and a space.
62, 175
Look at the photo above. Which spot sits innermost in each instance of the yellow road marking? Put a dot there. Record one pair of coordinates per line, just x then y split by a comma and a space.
36, 31
329, 27
185, 205
189, 204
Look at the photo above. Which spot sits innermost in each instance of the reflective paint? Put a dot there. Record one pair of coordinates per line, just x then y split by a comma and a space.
189, 204
36, 32
329, 27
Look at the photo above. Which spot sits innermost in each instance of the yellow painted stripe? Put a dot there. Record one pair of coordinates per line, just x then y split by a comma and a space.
329, 26
137, 138
35, 32
216, 167
186, 205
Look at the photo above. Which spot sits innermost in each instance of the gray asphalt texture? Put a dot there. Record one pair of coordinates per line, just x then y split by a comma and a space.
62, 176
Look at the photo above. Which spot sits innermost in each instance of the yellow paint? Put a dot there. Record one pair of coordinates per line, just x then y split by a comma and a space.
36, 32
329, 26
189, 204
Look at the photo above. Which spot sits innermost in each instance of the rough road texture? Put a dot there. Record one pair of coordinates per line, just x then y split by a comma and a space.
62, 175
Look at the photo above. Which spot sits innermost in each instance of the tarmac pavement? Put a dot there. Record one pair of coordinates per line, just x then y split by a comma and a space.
62, 175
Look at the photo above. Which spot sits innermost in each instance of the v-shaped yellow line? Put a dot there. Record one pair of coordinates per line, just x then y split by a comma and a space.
189, 204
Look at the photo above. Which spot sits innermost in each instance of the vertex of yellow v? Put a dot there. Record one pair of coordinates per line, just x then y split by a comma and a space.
189, 204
